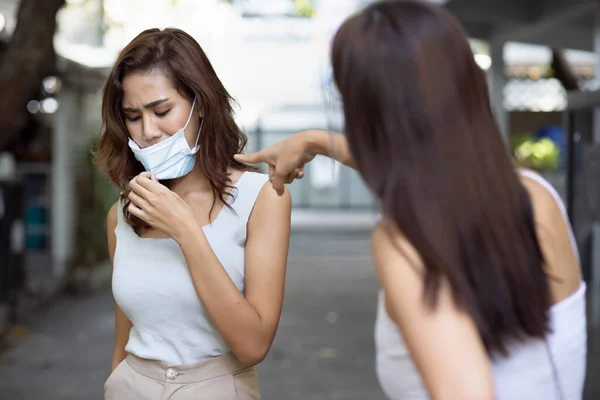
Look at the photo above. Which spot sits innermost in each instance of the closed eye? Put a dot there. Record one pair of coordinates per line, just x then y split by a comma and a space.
132, 119
137, 117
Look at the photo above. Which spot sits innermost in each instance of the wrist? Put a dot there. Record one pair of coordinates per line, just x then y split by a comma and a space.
188, 232
315, 141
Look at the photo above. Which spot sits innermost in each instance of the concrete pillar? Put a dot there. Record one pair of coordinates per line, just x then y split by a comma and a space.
497, 79
63, 181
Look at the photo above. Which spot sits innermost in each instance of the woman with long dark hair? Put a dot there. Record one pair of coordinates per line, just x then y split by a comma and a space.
198, 240
482, 295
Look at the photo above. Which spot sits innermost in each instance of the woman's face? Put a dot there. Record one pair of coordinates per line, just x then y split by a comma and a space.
154, 110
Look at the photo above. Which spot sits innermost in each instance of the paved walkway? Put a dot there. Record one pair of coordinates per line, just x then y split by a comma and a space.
323, 349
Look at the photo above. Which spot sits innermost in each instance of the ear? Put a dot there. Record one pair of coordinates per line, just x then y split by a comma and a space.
201, 112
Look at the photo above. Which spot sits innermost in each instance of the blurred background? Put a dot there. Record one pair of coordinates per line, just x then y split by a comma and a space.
56, 309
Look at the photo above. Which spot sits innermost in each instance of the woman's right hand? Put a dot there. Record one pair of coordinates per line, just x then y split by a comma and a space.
286, 159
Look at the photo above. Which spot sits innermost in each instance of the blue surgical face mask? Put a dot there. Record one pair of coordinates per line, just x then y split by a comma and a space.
172, 158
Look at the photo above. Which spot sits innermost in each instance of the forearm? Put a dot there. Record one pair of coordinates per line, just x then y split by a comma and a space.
234, 317
319, 142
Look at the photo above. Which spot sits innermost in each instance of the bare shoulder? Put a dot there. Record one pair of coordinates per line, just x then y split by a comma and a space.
554, 235
394, 255
544, 199
270, 207
388, 241
384, 234
381, 239
268, 197
537, 186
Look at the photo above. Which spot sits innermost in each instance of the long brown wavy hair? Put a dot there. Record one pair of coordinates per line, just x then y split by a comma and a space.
421, 131
182, 60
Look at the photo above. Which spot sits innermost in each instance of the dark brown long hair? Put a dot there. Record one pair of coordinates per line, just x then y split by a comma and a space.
421, 131
183, 61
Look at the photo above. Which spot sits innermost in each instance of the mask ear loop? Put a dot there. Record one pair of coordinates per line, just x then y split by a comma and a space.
198, 135
199, 129
191, 113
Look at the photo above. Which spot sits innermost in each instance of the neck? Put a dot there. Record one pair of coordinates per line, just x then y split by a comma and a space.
195, 181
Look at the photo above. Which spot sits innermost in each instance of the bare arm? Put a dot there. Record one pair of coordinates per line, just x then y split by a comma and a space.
248, 324
286, 159
443, 343
318, 141
553, 231
122, 324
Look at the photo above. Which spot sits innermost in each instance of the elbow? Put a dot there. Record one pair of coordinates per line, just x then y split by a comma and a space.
250, 360
252, 353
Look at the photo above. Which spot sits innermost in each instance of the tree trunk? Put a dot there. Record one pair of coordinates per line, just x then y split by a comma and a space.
29, 57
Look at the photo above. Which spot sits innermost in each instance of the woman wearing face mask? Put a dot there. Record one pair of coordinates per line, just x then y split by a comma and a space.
482, 293
198, 241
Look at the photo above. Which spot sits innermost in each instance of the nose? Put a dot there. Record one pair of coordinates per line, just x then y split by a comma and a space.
150, 131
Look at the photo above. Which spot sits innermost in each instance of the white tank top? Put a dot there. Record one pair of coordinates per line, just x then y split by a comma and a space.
526, 374
152, 285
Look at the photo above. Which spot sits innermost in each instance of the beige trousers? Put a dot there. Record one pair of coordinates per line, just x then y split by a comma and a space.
220, 378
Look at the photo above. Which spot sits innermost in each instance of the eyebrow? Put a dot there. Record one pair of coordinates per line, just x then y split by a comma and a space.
149, 105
